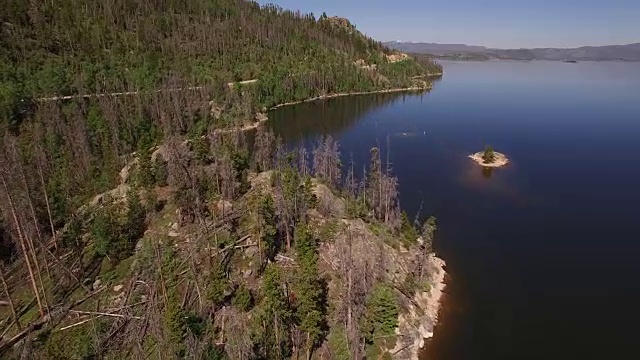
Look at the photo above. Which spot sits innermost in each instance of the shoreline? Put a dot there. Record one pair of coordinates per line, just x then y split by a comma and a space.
332, 96
500, 160
262, 117
419, 322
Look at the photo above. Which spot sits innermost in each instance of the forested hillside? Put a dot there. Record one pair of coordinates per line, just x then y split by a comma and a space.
83, 47
132, 220
177, 58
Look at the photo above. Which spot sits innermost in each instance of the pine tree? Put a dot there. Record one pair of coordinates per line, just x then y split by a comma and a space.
272, 321
218, 284
338, 343
145, 174
488, 156
267, 224
309, 289
160, 173
381, 313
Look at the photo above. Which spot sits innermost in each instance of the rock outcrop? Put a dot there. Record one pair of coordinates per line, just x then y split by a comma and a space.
418, 323
383, 257
397, 57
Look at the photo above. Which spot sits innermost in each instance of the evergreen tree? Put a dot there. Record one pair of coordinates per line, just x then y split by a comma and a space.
428, 231
309, 289
268, 226
115, 235
381, 314
242, 298
488, 156
134, 225
408, 231
160, 173
145, 173
338, 343
272, 321
218, 284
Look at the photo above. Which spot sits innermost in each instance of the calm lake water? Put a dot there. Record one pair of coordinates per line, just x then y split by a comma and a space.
543, 255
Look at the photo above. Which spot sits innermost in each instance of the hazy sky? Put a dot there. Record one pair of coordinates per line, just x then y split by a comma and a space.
492, 23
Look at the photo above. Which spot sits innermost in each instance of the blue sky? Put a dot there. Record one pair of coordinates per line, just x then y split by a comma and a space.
492, 23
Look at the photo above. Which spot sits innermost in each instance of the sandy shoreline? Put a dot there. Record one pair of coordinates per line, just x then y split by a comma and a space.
500, 160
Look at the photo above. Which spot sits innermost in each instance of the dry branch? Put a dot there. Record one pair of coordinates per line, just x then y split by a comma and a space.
105, 314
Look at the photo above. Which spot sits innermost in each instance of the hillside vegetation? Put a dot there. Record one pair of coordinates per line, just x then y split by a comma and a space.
138, 221
177, 58
83, 47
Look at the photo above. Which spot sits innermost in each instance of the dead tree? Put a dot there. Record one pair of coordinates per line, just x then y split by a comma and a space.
326, 161
23, 245
263, 149
9, 299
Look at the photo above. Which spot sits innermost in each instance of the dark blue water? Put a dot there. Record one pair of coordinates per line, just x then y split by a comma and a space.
543, 255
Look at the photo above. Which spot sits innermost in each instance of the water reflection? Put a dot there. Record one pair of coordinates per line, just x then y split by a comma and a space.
496, 182
326, 117
487, 171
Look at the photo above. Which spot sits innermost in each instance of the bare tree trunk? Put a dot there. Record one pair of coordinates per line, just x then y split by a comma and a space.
38, 272
380, 197
24, 247
349, 281
288, 238
37, 228
33, 212
195, 280
275, 326
260, 226
59, 262
9, 299
387, 195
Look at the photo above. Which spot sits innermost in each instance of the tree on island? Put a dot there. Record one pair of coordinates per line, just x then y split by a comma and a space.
488, 156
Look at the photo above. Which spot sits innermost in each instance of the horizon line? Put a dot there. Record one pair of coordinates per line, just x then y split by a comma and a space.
510, 48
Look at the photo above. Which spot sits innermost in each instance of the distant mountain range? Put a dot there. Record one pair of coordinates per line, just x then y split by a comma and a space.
629, 52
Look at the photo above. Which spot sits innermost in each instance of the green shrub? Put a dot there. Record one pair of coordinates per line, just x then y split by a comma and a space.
115, 236
195, 324
242, 298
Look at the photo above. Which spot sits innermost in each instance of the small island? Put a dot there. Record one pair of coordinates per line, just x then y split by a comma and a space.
489, 158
